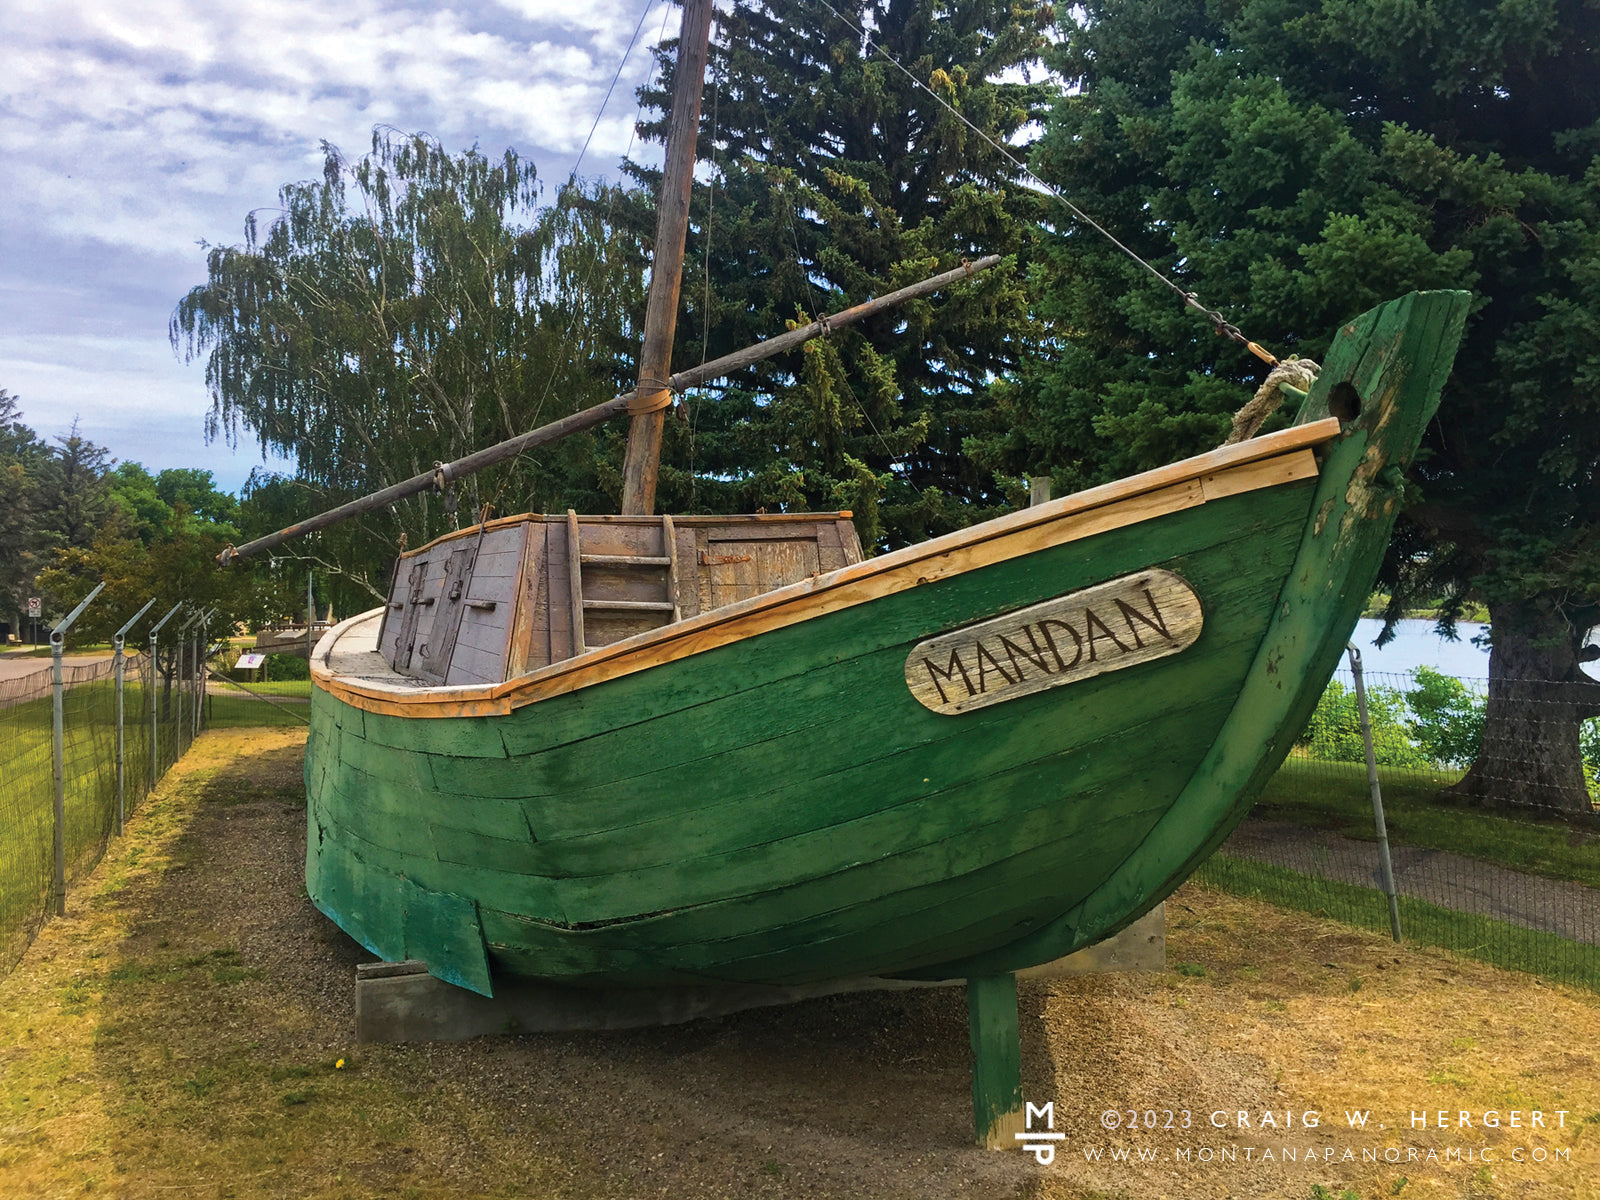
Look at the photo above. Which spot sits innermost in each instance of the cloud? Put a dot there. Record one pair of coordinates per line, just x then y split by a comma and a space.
156, 123
130, 132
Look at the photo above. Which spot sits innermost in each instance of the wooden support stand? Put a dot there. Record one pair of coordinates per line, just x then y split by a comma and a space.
996, 1060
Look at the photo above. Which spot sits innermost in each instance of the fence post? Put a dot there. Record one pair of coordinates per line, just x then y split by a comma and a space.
178, 686
116, 649
155, 741
202, 666
58, 752
1385, 865
183, 686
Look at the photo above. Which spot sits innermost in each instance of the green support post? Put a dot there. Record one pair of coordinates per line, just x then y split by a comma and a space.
996, 1060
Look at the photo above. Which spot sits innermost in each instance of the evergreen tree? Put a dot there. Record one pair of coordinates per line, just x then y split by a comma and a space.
1293, 165
75, 496
835, 177
22, 456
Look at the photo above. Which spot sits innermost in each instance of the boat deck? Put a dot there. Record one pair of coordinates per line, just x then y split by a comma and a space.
356, 660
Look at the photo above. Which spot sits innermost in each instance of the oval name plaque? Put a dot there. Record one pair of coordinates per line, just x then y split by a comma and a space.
1120, 623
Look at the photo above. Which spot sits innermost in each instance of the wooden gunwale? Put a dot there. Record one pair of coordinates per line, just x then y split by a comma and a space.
843, 514
1262, 462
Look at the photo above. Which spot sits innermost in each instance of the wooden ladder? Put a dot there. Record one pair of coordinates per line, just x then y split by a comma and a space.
575, 563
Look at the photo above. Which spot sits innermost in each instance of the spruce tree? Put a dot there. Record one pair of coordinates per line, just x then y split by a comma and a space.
1294, 165
832, 176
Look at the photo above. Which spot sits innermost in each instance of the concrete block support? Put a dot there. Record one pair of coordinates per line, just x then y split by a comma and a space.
401, 1002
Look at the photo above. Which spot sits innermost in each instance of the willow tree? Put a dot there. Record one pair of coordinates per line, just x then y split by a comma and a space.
1295, 164
407, 308
829, 176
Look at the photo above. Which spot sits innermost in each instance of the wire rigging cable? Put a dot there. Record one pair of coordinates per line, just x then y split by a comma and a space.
612, 86
564, 353
1190, 299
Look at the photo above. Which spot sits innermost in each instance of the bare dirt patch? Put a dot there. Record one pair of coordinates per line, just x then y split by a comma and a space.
186, 1030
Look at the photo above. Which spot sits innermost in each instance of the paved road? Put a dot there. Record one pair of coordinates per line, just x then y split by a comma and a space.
1449, 880
19, 665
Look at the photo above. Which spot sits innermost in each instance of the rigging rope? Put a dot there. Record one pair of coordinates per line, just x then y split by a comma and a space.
1297, 373
1223, 326
632, 42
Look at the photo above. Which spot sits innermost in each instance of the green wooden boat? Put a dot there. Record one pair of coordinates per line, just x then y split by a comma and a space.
591, 751
645, 752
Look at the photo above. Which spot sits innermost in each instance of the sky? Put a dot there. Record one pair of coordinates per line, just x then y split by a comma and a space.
132, 132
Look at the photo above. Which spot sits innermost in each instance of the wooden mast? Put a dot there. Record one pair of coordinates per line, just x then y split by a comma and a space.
653, 398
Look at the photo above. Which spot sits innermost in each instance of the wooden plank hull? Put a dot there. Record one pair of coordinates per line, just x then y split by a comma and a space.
763, 798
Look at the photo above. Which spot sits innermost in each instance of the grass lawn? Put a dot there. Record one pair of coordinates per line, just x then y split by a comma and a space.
1334, 796
27, 794
235, 710
299, 688
27, 786
1483, 938
70, 649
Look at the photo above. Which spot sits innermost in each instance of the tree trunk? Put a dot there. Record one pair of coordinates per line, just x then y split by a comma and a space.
1537, 699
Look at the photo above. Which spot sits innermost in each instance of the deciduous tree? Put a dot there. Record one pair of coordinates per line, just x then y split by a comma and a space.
407, 308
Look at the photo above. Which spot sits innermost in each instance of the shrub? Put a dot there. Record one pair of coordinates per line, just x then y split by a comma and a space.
1589, 740
1447, 718
1334, 732
286, 666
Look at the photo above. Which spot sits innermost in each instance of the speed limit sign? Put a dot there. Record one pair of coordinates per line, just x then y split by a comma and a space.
35, 606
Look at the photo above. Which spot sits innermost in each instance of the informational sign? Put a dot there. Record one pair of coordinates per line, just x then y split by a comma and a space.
249, 662
35, 606
1103, 628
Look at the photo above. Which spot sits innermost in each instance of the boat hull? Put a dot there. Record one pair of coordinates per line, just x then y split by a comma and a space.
782, 808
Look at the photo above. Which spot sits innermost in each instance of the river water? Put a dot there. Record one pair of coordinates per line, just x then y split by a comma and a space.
1416, 644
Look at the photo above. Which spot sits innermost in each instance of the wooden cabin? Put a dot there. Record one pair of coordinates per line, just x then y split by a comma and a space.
498, 600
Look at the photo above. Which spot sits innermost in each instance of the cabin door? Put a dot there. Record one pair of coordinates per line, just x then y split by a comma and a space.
407, 602
433, 656
743, 568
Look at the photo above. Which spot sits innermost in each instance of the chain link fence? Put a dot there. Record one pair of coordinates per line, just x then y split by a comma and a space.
166, 703
1502, 865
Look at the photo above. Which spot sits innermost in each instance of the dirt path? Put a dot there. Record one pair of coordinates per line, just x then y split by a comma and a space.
186, 1030
1455, 881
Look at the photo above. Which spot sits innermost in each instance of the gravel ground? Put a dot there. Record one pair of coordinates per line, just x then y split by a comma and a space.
863, 1095
761, 1103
